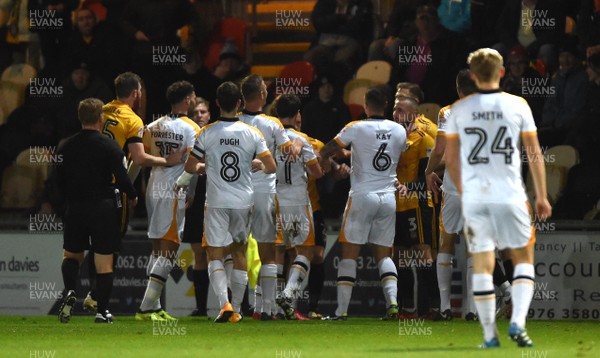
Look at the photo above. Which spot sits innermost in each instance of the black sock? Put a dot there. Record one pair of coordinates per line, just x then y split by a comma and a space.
508, 268
406, 287
424, 296
103, 290
92, 274
432, 286
70, 271
499, 277
201, 283
315, 285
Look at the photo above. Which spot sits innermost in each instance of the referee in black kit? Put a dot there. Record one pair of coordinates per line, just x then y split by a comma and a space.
84, 180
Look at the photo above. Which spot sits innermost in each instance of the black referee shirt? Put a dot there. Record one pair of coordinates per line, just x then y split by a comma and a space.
89, 161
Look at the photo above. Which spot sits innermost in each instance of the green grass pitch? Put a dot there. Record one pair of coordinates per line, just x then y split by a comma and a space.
358, 337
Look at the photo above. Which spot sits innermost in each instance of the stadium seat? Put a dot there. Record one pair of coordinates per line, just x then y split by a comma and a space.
354, 91
376, 71
562, 155
12, 95
299, 69
570, 25
23, 181
97, 8
430, 110
20, 74
355, 110
227, 28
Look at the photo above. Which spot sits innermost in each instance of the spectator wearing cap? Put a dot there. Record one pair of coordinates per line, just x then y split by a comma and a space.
325, 114
79, 85
90, 43
534, 24
570, 86
231, 66
523, 81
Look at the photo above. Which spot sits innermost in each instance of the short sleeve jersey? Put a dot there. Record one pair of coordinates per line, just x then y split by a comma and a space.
376, 147
489, 125
418, 147
228, 147
313, 192
275, 137
447, 183
163, 136
292, 179
122, 124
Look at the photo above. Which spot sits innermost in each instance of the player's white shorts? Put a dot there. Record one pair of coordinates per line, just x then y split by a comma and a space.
370, 218
166, 215
452, 216
222, 227
297, 225
497, 225
264, 216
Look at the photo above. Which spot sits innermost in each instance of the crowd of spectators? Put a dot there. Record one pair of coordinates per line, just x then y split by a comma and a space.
551, 50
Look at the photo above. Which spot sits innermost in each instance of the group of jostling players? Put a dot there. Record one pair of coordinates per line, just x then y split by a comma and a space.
257, 170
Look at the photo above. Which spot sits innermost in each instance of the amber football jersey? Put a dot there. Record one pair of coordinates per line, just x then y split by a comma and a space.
122, 124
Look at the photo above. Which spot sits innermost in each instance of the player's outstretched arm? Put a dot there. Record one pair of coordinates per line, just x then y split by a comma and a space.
453, 161
141, 158
327, 152
435, 159
293, 151
268, 162
538, 172
315, 170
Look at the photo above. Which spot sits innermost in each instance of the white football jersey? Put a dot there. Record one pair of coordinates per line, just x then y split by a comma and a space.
376, 147
228, 147
489, 125
291, 173
448, 185
163, 136
275, 137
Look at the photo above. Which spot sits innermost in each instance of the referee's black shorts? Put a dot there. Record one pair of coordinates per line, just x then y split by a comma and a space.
92, 225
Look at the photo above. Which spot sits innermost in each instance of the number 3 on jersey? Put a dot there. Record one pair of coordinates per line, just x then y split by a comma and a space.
507, 149
382, 160
230, 171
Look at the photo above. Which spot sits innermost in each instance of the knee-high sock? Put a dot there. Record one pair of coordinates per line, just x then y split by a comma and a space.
470, 303
70, 271
268, 283
239, 283
522, 292
406, 286
156, 283
423, 295
218, 280
389, 280
151, 262
228, 264
316, 277
104, 285
508, 269
298, 271
432, 286
444, 277
345, 282
279, 287
201, 284
258, 301
485, 301
92, 274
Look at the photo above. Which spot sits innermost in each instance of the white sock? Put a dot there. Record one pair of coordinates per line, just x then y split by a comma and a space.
470, 304
298, 272
345, 282
258, 301
389, 280
485, 301
218, 280
228, 264
151, 262
156, 282
522, 292
506, 289
444, 275
268, 283
239, 282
